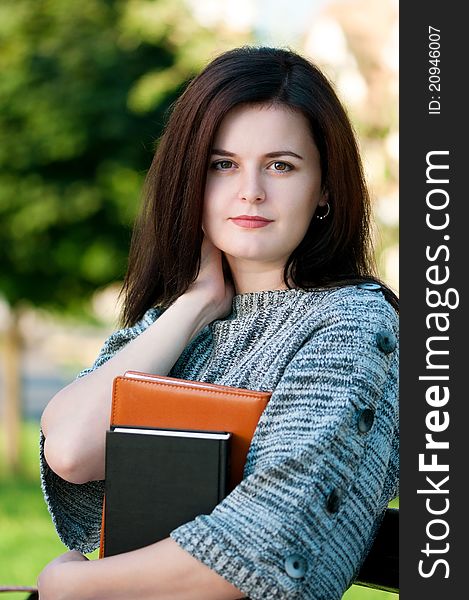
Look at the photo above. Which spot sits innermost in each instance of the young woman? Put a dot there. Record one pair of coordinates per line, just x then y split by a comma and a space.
250, 266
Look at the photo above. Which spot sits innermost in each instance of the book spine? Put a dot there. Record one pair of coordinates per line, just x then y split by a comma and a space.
224, 468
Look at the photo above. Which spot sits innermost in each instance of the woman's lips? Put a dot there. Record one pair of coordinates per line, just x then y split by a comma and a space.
250, 222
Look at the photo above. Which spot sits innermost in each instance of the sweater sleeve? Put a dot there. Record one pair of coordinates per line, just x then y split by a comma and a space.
76, 509
321, 469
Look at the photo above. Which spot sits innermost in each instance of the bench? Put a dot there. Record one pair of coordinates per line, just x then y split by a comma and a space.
381, 567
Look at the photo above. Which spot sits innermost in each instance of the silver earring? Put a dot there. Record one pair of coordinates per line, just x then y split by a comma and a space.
328, 210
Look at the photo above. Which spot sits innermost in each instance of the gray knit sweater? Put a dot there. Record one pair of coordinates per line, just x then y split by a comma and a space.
324, 460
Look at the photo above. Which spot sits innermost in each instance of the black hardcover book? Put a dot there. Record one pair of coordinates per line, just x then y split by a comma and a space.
158, 479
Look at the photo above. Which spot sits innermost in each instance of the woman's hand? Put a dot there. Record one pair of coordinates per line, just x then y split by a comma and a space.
211, 284
53, 582
160, 570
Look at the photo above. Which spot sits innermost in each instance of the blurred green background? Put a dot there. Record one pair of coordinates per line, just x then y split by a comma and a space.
84, 92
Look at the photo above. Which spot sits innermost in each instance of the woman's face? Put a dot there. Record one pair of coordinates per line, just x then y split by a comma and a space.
264, 163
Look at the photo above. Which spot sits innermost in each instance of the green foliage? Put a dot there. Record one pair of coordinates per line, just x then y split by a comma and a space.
84, 91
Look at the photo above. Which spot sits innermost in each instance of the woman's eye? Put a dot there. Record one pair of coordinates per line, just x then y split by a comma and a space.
281, 166
222, 165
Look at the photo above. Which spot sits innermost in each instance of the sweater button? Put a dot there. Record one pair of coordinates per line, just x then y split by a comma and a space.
295, 566
386, 341
369, 285
365, 420
333, 500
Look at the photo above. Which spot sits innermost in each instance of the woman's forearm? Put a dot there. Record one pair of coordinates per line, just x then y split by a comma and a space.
162, 571
76, 419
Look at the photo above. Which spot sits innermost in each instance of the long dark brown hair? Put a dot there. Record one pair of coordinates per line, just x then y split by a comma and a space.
164, 257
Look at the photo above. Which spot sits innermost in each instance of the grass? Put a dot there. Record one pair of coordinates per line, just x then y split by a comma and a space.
28, 540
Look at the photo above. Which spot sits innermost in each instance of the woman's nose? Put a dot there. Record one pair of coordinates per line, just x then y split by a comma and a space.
251, 188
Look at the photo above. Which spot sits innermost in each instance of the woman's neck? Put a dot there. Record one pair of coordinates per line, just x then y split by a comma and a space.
250, 276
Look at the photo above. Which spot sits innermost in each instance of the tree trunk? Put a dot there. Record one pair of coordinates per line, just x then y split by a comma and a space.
12, 393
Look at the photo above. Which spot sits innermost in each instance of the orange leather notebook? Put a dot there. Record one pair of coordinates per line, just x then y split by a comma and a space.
146, 400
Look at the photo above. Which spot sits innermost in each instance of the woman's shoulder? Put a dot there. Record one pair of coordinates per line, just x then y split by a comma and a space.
351, 309
362, 301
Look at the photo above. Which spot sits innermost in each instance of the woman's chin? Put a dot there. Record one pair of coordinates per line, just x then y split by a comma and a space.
252, 256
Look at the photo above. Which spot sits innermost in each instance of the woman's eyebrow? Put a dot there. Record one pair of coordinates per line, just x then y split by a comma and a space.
221, 152
283, 153
277, 153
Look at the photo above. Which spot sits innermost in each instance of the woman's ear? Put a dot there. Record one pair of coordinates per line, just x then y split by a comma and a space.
324, 199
